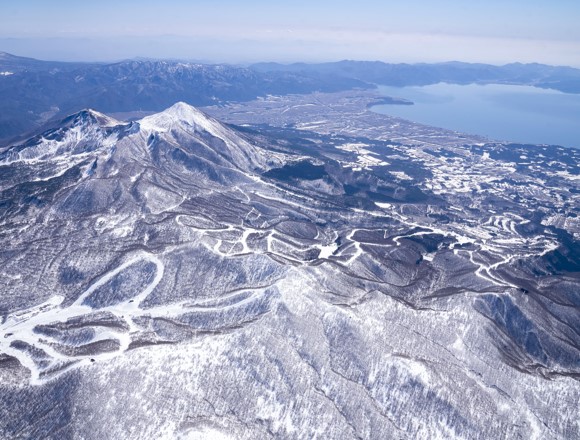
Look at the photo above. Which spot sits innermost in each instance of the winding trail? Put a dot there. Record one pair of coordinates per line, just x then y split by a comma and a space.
38, 352
20, 327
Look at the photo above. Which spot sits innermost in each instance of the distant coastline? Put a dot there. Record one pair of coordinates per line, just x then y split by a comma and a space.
513, 113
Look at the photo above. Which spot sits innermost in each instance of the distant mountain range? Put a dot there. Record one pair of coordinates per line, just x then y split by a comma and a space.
35, 92
565, 79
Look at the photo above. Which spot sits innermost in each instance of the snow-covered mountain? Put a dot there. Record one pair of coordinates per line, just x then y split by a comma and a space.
176, 277
35, 93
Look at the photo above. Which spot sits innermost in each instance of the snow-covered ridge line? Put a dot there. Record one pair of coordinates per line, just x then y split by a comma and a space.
87, 130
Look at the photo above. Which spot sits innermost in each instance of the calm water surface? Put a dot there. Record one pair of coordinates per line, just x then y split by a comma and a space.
521, 114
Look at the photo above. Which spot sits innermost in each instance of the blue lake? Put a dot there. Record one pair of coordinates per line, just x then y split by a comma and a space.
522, 114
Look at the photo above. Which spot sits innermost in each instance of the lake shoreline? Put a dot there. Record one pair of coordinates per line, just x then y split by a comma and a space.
510, 113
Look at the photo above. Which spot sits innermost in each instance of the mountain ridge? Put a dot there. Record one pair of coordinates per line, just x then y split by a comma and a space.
176, 274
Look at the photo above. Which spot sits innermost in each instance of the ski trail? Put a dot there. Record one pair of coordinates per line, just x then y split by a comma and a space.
20, 326
39, 352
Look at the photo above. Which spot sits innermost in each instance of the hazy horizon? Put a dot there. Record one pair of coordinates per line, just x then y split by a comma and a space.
258, 61
493, 32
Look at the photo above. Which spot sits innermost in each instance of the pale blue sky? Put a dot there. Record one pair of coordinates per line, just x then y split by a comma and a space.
491, 31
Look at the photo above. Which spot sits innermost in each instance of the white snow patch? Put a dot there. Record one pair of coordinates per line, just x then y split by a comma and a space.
418, 370
401, 175
327, 251
458, 345
365, 158
204, 433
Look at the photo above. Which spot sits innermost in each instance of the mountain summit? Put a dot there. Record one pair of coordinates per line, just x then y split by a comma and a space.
183, 123
181, 113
